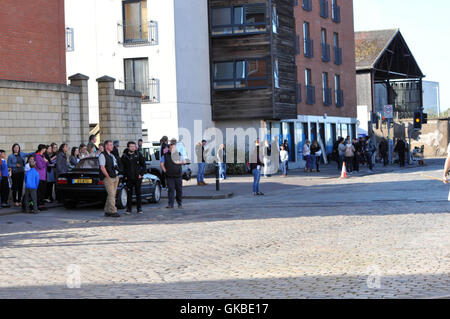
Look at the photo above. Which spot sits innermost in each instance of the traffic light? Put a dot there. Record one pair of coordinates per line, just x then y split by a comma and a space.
418, 120
424, 118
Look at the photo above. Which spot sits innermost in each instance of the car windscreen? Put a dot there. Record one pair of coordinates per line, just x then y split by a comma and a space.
88, 163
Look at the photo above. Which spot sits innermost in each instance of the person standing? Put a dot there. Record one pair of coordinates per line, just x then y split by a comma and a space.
383, 148
316, 152
116, 153
267, 158
307, 155
32, 181
222, 161
341, 151
61, 166
368, 151
4, 184
83, 151
41, 167
74, 160
92, 141
101, 149
50, 156
357, 157
171, 164
140, 146
284, 158
109, 171
134, 169
164, 148
201, 164
16, 162
255, 168
349, 156
400, 148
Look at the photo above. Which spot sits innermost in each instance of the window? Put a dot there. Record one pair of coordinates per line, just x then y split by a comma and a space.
297, 44
299, 93
70, 46
336, 39
274, 20
240, 74
308, 42
276, 77
336, 11
337, 50
250, 18
326, 90
339, 99
135, 24
310, 89
324, 8
136, 76
307, 5
326, 56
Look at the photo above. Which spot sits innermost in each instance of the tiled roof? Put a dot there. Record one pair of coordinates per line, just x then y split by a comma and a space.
369, 45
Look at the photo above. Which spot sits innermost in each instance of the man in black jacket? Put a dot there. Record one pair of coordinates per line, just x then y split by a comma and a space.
134, 168
171, 164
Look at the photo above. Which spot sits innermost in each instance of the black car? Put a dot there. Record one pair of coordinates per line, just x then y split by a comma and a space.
83, 184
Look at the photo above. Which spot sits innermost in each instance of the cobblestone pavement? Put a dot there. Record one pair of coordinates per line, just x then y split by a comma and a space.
378, 236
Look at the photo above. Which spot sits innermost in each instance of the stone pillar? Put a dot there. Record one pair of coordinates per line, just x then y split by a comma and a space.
81, 81
107, 108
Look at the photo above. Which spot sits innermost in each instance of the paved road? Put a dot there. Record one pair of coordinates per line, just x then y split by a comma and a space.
385, 235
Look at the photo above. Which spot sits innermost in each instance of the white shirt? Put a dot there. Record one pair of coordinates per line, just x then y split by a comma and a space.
284, 155
306, 150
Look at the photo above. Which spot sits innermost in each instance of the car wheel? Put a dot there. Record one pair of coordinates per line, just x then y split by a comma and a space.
69, 204
156, 194
121, 201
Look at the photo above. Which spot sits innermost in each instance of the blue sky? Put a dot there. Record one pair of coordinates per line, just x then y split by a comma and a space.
425, 26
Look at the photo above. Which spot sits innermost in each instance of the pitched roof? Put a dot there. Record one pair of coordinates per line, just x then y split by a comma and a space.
370, 45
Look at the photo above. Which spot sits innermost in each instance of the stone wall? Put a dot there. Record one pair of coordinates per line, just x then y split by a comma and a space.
34, 113
120, 113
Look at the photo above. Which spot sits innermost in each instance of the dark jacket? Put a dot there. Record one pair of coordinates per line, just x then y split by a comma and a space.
383, 147
133, 165
61, 166
400, 147
173, 170
256, 159
116, 154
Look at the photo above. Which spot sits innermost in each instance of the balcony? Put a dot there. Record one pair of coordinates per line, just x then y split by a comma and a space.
309, 48
307, 5
326, 55
339, 98
337, 56
336, 13
310, 94
324, 9
327, 99
150, 91
138, 34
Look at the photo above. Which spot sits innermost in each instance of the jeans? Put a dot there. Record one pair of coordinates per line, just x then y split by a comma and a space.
368, 157
349, 164
4, 190
223, 170
111, 188
256, 178
201, 172
30, 195
284, 165
175, 184
308, 162
136, 185
17, 186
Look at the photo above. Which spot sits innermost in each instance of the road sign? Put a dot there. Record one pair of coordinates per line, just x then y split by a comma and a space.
389, 111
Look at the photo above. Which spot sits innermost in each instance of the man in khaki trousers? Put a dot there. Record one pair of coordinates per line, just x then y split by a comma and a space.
109, 175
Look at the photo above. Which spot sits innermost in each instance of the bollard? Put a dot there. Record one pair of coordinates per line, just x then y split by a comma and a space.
217, 177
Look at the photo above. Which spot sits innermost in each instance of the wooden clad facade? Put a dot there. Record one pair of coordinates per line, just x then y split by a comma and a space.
276, 99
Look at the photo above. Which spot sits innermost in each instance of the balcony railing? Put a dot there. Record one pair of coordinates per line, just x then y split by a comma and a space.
309, 48
326, 55
337, 56
339, 98
324, 9
336, 13
310, 94
307, 5
327, 99
150, 91
138, 34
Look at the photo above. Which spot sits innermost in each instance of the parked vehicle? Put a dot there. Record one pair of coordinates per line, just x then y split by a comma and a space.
83, 184
152, 159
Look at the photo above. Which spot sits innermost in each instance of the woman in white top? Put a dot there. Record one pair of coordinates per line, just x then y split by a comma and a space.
284, 157
307, 155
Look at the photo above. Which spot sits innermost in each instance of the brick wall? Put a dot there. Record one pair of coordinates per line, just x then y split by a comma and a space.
347, 70
32, 41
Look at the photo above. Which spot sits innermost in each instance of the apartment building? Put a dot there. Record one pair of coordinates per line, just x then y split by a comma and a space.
159, 48
326, 76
